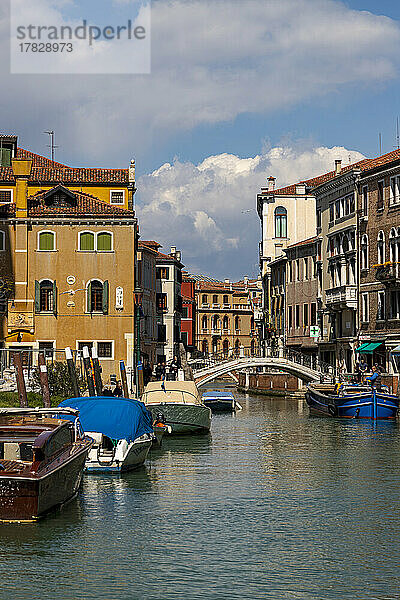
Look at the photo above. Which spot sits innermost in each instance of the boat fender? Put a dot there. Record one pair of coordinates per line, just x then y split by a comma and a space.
332, 409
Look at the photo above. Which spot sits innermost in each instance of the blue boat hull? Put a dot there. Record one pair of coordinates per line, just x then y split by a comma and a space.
351, 406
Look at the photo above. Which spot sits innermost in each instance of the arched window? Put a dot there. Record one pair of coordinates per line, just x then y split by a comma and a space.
86, 241
97, 296
2, 240
215, 322
225, 324
225, 300
204, 299
345, 244
252, 347
237, 323
47, 240
364, 251
45, 296
381, 247
215, 299
204, 322
280, 222
225, 348
393, 245
204, 347
237, 348
104, 242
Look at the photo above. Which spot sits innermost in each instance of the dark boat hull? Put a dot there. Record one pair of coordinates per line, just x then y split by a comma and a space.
220, 405
29, 498
361, 406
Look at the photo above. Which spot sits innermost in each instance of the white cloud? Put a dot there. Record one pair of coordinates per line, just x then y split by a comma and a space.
199, 208
212, 60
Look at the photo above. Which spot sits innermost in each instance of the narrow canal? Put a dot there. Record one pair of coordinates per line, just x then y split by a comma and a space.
273, 504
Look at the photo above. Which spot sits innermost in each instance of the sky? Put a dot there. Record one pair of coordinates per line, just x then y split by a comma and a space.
238, 91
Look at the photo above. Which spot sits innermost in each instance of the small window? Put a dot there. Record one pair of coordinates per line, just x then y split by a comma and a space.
381, 247
86, 241
381, 308
117, 196
6, 196
215, 299
297, 315
162, 273
104, 242
380, 202
204, 299
162, 302
365, 200
290, 317
47, 348
47, 240
225, 300
313, 314
331, 212
305, 315
81, 346
365, 307
204, 322
105, 349
185, 312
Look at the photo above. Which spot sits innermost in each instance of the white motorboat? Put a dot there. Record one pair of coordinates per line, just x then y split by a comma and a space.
180, 404
122, 430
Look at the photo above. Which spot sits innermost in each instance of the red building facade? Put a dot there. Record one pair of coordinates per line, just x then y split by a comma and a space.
188, 319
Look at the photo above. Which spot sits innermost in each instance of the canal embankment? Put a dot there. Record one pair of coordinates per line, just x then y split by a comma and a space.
271, 384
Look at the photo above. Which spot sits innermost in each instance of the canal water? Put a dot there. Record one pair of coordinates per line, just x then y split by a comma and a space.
273, 504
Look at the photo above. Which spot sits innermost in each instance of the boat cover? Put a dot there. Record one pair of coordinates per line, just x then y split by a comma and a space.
117, 418
218, 394
180, 392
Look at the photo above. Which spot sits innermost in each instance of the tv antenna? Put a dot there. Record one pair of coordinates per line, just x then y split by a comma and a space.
397, 134
51, 145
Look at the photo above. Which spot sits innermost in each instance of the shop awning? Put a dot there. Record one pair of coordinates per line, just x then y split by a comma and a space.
368, 347
396, 350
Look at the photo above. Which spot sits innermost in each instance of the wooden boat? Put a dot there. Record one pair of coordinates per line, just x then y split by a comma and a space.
42, 458
180, 404
121, 428
221, 401
351, 401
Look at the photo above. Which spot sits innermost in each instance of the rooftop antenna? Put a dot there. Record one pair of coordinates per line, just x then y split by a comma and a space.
397, 134
380, 144
51, 145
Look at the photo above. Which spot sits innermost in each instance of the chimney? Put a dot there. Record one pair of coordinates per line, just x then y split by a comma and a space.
178, 255
173, 250
227, 281
338, 166
246, 281
22, 170
271, 183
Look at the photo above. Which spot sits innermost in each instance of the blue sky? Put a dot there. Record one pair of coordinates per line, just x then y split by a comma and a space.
243, 82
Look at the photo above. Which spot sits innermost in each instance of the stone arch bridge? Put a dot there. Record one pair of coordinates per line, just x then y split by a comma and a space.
206, 370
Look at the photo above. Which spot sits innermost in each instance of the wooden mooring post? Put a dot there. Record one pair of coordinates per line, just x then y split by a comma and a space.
44, 380
124, 380
72, 372
97, 372
19, 375
88, 371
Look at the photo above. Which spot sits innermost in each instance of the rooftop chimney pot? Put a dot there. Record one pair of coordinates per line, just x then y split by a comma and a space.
338, 166
271, 183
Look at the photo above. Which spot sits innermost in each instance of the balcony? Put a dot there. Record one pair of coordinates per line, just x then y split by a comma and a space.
388, 273
241, 307
215, 305
226, 305
205, 305
344, 296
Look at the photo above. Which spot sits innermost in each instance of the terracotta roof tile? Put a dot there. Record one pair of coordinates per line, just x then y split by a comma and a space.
311, 240
366, 164
87, 205
44, 171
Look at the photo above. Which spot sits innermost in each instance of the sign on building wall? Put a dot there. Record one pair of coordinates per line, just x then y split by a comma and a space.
119, 298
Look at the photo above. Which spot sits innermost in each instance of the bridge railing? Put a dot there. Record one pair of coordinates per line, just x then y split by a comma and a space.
311, 361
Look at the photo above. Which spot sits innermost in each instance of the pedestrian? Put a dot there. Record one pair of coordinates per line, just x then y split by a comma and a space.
107, 392
147, 372
118, 390
374, 378
363, 368
173, 369
159, 370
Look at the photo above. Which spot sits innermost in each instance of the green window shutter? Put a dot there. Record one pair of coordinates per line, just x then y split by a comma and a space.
86, 241
105, 297
46, 240
104, 242
54, 298
89, 297
37, 296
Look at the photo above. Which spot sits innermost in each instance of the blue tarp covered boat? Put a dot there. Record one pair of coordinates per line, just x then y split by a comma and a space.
121, 427
351, 401
220, 401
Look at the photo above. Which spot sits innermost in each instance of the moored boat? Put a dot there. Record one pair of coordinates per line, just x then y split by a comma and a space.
42, 458
121, 428
351, 401
221, 401
180, 404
